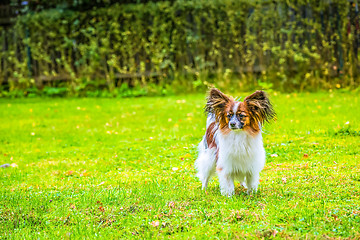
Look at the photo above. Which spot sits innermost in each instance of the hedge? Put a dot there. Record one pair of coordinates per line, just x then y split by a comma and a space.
303, 45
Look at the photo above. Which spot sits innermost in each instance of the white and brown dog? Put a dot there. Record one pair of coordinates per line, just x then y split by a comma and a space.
232, 145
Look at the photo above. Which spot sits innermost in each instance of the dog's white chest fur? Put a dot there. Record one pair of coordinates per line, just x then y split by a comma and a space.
240, 153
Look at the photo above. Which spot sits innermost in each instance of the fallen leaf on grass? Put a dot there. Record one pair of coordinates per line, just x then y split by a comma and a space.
84, 174
171, 204
101, 209
267, 233
188, 155
336, 218
304, 166
238, 216
305, 155
355, 213
69, 173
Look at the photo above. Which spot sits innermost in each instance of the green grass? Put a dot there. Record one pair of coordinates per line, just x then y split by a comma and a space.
123, 168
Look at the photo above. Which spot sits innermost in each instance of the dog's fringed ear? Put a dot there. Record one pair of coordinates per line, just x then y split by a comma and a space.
260, 107
216, 101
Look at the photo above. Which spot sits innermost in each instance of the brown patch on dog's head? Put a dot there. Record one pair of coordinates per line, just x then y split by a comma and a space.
260, 110
219, 104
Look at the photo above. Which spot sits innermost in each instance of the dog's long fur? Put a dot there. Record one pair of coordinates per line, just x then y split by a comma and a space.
232, 145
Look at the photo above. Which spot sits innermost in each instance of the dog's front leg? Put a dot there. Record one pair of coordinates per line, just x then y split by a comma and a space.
252, 182
226, 183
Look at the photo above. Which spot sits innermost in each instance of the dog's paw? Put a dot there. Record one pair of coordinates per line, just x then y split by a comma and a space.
227, 193
251, 191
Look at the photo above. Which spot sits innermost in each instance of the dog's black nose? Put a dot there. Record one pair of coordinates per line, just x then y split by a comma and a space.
232, 124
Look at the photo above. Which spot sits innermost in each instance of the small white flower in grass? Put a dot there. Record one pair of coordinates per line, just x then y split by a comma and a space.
175, 168
32, 134
101, 183
347, 123
274, 155
13, 165
283, 179
155, 223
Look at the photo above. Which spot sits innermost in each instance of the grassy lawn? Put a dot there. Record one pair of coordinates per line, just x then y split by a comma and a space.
123, 168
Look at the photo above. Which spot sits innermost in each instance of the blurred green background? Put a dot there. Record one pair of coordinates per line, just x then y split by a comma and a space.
134, 48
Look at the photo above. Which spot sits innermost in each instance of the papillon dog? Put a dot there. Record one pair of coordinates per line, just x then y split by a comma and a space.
232, 145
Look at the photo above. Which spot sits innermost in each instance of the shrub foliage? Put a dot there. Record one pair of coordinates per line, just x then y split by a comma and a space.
279, 44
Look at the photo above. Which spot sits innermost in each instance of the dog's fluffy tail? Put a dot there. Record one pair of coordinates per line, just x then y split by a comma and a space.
205, 164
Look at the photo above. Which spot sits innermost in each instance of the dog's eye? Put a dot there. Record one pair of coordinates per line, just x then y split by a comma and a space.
229, 115
241, 116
